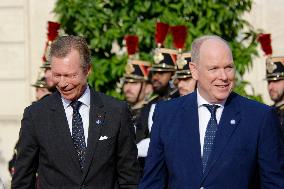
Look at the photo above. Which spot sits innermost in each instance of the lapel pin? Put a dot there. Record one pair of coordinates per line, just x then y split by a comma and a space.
233, 122
98, 122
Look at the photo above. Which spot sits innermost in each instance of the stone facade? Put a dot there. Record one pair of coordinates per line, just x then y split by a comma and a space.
268, 16
22, 37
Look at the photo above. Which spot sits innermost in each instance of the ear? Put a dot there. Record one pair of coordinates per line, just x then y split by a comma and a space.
193, 70
89, 69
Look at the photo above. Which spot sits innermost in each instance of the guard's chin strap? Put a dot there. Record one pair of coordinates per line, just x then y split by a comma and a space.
140, 90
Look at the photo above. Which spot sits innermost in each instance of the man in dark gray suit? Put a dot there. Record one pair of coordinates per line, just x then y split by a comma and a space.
76, 137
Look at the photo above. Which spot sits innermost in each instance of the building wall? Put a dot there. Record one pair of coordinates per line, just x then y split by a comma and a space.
268, 16
22, 37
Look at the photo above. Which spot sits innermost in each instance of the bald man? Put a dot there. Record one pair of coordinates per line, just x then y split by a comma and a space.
214, 138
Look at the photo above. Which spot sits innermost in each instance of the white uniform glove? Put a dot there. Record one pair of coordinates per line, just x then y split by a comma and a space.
142, 147
1, 184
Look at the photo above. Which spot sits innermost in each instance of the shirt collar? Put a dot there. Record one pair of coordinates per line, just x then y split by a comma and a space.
84, 98
201, 101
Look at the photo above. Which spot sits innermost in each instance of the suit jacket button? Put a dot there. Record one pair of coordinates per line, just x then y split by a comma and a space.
202, 188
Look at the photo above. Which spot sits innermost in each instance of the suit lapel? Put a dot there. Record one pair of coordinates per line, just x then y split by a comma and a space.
190, 116
229, 121
96, 121
60, 124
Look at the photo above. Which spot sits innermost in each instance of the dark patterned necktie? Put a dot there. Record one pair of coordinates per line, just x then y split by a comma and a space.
209, 134
78, 132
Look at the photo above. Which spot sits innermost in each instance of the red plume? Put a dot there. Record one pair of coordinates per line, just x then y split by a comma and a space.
52, 29
44, 58
52, 34
179, 36
131, 44
145, 69
265, 41
161, 32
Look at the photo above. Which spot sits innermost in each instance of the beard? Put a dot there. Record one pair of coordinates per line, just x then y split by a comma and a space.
277, 97
160, 89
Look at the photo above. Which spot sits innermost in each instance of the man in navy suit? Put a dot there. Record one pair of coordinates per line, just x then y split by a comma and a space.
234, 145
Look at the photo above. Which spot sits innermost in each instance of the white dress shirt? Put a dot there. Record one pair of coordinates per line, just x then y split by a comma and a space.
150, 118
204, 117
84, 111
143, 145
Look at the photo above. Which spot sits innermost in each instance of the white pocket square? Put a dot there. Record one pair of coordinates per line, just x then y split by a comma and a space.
103, 138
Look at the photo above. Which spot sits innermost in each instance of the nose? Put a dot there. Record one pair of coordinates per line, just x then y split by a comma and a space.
156, 76
126, 87
180, 84
223, 75
62, 82
270, 85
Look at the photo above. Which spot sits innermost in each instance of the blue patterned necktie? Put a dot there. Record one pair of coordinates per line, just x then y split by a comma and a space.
78, 132
209, 134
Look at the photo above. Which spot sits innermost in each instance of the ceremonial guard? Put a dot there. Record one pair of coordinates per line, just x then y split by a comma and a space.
161, 72
52, 34
135, 82
274, 77
41, 87
164, 66
182, 78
